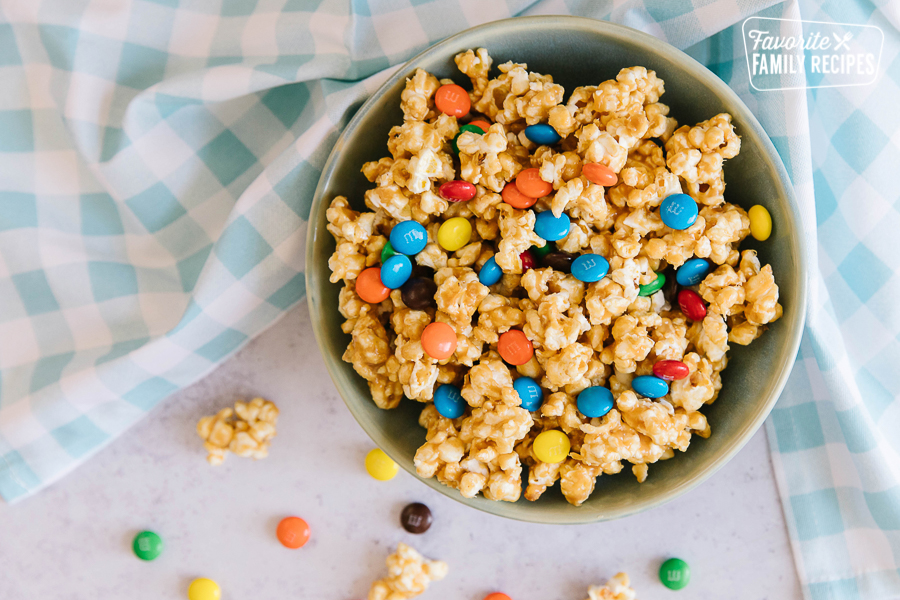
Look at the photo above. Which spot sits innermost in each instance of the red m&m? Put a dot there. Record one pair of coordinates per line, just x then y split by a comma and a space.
457, 191
692, 305
670, 370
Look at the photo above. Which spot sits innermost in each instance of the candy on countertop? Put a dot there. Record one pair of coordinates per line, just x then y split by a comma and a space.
387, 252
551, 446
454, 233
471, 128
530, 393
650, 386
408, 237
490, 272
292, 532
594, 401
514, 347
760, 222
418, 293
204, 589
542, 134
396, 271
599, 174
692, 305
678, 211
529, 182
527, 259
559, 261
457, 191
551, 227
482, 125
448, 401
381, 466
416, 518
670, 370
453, 100
512, 196
675, 574
369, 286
692, 271
438, 340
497, 596
652, 287
147, 545
590, 268
540, 252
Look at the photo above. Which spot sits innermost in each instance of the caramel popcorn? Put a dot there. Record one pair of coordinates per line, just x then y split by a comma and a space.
409, 574
601, 333
617, 588
247, 430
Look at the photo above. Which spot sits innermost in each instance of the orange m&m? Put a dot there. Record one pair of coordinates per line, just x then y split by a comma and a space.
452, 100
497, 596
512, 196
482, 125
529, 182
369, 286
514, 347
439, 340
599, 174
292, 532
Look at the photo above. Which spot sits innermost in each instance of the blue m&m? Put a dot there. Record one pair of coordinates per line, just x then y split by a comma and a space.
692, 271
594, 401
550, 227
490, 272
408, 237
590, 268
542, 134
649, 386
678, 211
530, 392
395, 271
449, 401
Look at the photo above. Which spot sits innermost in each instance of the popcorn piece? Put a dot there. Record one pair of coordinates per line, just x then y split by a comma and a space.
617, 588
247, 430
409, 574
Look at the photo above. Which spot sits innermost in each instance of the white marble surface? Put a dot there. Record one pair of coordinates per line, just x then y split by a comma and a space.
72, 541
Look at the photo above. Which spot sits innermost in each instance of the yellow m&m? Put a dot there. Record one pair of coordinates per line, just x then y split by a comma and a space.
760, 222
204, 589
380, 466
551, 446
454, 234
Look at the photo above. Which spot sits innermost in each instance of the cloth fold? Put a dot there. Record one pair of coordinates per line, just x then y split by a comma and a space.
158, 164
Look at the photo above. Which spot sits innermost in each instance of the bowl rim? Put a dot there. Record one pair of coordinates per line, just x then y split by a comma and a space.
770, 157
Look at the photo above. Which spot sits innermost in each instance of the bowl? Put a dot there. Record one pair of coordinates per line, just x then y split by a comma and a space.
578, 51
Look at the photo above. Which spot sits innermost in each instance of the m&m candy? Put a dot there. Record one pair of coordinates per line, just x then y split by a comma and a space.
292, 532
514, 347
670, 370
472, 128
594, 401
652, 287
418, 293
692, 305
387, 252
599, 174
454, 234
369, 286
675, 574
527, 259
650, 386
497, 596
449, 401
512, 196
692, 271
204, 589
416, 518
551, 446
529, 182
559, 261
760, 222
490, 272
540, 252
678, 211
147, 545
457, 191
482, 125
551, 227
438, 340
408, 237
542, 134
529, 392
396, 271
590, 268
380, 466
452, 100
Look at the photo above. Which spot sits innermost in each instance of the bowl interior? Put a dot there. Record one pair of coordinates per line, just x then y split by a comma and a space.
577, 52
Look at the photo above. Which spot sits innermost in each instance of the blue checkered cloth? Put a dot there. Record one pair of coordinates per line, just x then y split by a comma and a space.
159, 159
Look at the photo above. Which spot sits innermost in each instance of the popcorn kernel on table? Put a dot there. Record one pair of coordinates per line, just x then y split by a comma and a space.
409, 574
381, 466
246, 430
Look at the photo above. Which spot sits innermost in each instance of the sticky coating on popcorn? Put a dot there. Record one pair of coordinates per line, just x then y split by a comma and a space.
409, 574
584, 334
247, 430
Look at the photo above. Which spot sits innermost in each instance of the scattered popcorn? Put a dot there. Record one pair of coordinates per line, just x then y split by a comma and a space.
617, 588
247, 430
409, 574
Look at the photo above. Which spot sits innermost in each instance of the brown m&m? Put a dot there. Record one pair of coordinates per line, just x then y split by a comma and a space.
416, 518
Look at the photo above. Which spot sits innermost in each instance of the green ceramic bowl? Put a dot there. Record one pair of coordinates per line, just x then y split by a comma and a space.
579, 51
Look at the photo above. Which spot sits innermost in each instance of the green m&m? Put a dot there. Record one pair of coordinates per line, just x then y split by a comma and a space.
675, 574
147, 545
652, 287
